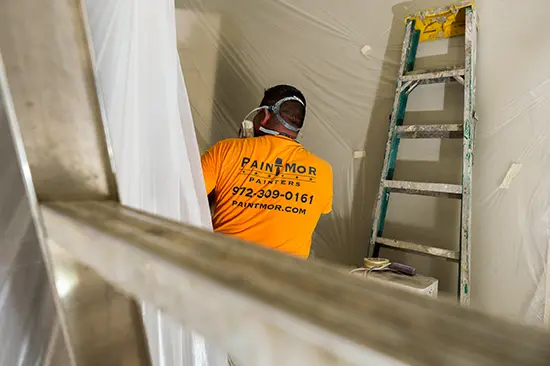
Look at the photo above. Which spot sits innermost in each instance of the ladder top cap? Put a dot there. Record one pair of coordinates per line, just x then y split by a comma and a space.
436, 23
442, 11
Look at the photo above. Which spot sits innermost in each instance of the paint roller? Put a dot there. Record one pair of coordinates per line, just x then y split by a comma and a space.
381, 264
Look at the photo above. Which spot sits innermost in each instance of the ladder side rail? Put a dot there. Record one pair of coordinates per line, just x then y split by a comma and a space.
408, 55
467, 156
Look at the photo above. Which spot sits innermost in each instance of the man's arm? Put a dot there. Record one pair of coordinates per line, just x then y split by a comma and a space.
328, 207
210, 168
212, 202
210, 171
211, 164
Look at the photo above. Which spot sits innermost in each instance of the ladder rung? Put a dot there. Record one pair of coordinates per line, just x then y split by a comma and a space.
451, 255
434, 75
425, 189
430, 131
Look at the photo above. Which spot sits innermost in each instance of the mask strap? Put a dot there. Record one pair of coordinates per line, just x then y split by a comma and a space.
276, 133
276, 109
255, 110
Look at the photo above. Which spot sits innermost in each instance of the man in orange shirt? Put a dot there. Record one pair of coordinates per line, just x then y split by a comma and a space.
268, 189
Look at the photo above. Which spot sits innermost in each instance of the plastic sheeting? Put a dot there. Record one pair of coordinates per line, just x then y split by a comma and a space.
143, 95
231, 50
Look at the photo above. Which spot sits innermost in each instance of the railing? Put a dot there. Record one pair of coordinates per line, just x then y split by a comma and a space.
263, 307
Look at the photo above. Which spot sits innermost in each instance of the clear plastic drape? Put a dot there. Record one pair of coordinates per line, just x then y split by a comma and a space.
145, 105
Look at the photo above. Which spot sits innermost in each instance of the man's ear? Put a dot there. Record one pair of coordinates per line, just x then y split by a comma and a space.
267, 117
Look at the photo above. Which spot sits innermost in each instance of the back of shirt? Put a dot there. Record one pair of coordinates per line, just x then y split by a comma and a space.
269, 190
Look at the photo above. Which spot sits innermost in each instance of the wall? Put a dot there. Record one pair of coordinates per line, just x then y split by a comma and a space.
230, 51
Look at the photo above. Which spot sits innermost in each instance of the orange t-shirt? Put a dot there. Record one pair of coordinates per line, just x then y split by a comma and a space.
269, 190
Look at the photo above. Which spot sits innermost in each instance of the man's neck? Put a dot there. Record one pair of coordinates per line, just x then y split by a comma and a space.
269, 132
283, 131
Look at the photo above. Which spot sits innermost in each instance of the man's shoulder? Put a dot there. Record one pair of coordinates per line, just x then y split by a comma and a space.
316, 160
229, 142
226, 145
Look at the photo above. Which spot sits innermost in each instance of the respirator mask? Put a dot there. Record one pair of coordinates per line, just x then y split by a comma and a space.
247, 126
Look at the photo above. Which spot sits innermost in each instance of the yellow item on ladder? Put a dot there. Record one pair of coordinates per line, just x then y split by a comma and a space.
445, 22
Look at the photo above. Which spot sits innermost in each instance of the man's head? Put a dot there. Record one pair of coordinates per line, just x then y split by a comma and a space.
292, 111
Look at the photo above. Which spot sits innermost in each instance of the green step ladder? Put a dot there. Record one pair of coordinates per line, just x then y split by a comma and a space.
449, 21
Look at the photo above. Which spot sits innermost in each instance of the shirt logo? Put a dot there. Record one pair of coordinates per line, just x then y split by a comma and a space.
278, 169
278, 165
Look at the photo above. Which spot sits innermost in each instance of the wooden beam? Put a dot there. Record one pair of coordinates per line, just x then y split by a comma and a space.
267, 308
50, 75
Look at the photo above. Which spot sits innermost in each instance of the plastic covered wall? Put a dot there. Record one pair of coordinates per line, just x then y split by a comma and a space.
145, 105
232, 50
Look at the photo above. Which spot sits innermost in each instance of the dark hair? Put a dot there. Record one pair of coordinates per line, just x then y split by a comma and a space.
291, 111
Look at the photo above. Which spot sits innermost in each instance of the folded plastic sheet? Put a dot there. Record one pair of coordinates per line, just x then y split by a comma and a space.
344, 56
144, 100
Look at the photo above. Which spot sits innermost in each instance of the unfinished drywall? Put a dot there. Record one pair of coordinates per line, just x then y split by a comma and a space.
231, 50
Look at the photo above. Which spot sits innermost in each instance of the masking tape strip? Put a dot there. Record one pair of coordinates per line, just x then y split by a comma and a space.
510, 175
